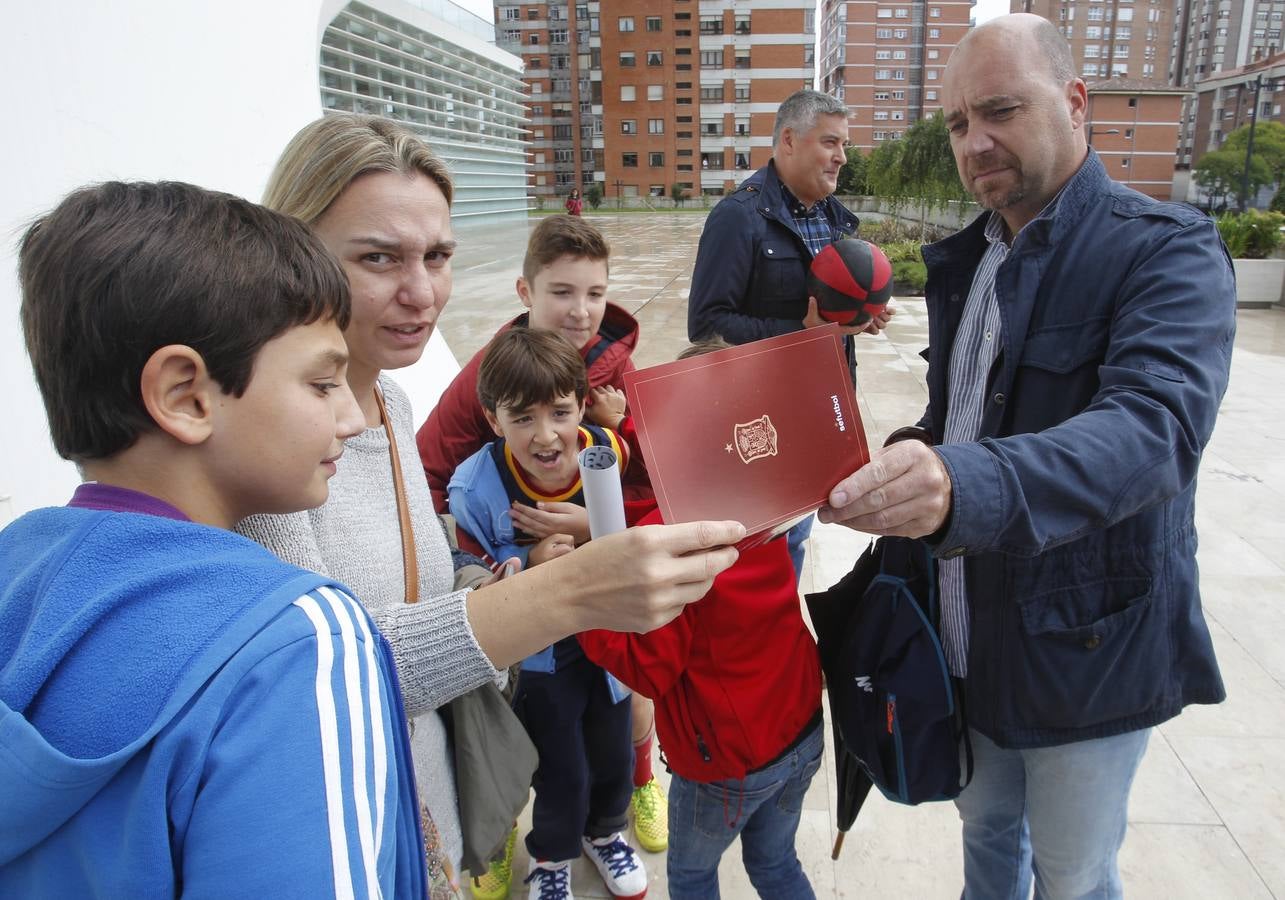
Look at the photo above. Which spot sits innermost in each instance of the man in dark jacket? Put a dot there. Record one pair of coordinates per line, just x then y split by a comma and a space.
1080, 339
750, 279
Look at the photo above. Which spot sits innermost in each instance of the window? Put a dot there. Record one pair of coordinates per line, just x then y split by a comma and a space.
934, 12
742, 93
712, 160
653, 23
743, 127
712, 94
533, 38
625, 23
711, 59
628, 126
899, 75
899, 54
558, 36
655, 126
881, 115
934, 33
932, 74
742, 57
883, 54
884, 34
1128, 134
711, 25
655, 92
742, 23
1089, 69
627, 59
1124, 163
511, 13
930, 95
511, 36
898, 115
883, 73
881, 95
629, 160
655, 160
742, 159
628, 93
901, 13
899, 95
654, 57
533, 13
932, 54
656, 190
711, 127
883, 14
900, 33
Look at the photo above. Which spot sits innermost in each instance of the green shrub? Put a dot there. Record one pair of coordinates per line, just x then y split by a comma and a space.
1252, 234
902, 251
909, 277
593, 196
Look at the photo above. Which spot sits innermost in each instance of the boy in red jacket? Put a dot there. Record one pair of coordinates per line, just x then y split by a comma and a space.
737, 686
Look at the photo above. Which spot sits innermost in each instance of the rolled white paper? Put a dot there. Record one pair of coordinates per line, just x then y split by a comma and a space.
600, 476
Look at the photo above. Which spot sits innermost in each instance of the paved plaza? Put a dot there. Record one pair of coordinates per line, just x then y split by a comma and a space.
1207, 818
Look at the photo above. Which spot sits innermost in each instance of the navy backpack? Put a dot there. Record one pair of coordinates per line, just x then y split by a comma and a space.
896, 708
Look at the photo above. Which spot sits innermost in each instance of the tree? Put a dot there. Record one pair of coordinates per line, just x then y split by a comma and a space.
883, 173
1269, 145
1219, 174
677, 193
927, 166
593, 196
852, 177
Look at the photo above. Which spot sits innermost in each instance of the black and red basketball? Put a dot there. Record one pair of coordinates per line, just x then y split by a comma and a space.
852, 281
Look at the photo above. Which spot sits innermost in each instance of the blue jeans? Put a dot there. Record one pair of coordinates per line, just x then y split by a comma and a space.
764, 809
795, 538
1055, 813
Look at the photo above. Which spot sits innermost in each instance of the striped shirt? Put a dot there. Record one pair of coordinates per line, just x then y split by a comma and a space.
975, 350
814, 227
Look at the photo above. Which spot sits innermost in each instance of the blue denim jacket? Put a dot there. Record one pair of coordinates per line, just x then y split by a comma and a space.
750, 279
1075, 508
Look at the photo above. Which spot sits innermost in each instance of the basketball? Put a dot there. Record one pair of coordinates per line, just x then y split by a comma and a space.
852, 281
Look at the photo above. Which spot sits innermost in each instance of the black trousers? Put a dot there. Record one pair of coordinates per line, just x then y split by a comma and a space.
585, 777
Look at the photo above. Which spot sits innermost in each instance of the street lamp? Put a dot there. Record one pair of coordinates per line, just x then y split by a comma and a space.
1092, 131
1257, 85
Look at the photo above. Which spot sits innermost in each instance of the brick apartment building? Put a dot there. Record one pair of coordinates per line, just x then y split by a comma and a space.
885, 59
1225, 102
1133, 126
1112, 38
638, 97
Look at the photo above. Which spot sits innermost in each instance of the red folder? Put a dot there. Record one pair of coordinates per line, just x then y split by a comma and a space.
758, 433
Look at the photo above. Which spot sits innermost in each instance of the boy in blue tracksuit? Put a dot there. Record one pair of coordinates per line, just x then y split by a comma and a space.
181, 712
532, 387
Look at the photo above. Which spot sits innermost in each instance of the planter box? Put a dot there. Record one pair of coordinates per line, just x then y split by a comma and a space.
1259, 282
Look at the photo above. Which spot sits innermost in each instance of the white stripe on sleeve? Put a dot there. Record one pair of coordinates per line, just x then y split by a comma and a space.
377, 725
330, 748
356, 735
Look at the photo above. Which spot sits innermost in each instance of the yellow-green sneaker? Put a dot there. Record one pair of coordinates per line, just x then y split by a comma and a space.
494, 883
651, 816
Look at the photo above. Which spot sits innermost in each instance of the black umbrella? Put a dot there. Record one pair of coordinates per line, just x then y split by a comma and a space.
831, 612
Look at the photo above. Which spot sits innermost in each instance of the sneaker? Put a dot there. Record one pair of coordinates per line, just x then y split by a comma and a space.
493, 884
651, 816
621, 869
549, 880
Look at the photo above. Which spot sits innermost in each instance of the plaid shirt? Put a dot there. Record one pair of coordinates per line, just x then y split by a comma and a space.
812, 223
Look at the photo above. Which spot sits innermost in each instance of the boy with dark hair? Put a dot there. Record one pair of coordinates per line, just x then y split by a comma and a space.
564, 287
532, 386
737, 685
181, 712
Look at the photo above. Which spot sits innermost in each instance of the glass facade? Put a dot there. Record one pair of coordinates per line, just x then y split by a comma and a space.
468, 105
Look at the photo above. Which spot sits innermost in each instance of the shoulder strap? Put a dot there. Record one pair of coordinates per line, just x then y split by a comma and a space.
410, 563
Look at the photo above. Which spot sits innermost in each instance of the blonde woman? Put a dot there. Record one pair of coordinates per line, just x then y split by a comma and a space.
380, 200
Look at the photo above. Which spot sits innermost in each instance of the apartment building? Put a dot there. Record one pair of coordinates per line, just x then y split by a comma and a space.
885, 61
1212, 39
636, 98
1111, 38
1225, 102
1133, 126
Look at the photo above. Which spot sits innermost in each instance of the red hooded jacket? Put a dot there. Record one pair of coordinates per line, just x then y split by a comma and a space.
735, 677
457, 427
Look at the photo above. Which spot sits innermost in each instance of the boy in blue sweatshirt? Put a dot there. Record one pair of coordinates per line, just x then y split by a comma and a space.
181, 712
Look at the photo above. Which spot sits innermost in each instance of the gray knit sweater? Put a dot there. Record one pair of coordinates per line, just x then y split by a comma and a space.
355, 539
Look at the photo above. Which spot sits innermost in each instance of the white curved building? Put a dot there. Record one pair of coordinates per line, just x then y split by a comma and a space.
210, 93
